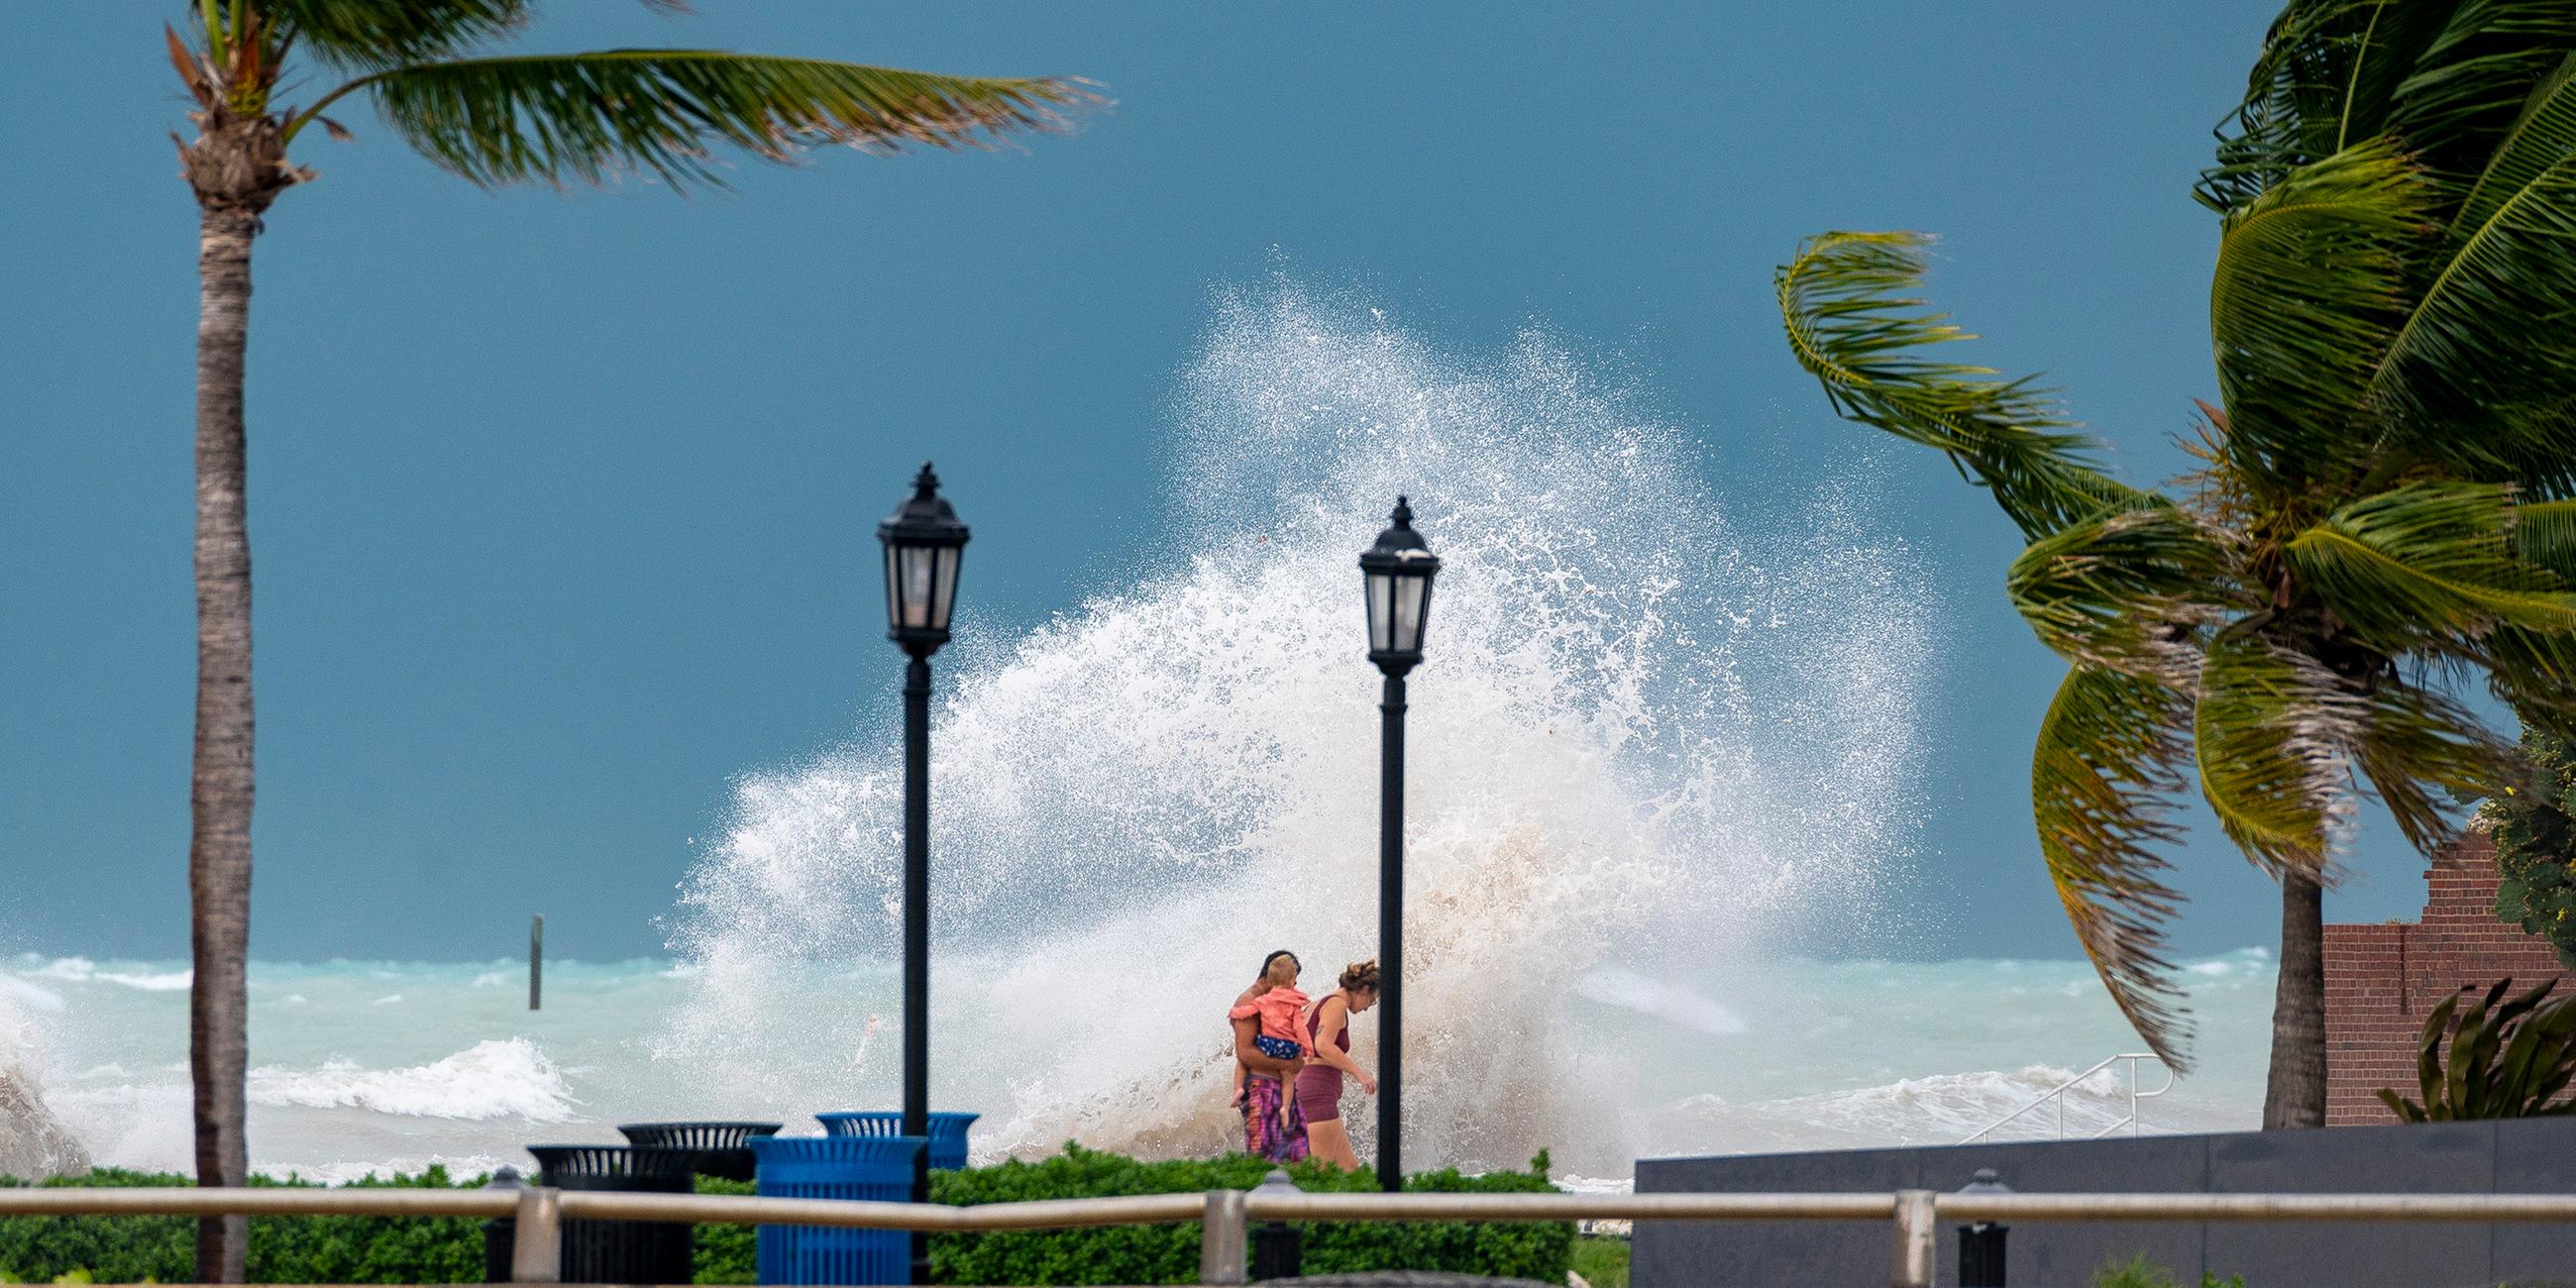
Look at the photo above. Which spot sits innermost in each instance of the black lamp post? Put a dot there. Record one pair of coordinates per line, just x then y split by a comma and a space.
1397, 572
923, 544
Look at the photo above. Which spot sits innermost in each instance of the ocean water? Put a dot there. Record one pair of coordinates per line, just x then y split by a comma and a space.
1664, 756
371, 1066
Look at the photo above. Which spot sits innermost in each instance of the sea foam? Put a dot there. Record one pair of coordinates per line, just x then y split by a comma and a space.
491, 1079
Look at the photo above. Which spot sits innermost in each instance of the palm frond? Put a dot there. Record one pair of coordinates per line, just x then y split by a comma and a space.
595, 116
2271, 737
2325, 80
2544, 533
2387, 55
2130, 590
2423, 753
2103, 780
2482, 368
2534, 672
2476, 75
2427, 565
372, 35
1854, 323
2288, 116
2302, 304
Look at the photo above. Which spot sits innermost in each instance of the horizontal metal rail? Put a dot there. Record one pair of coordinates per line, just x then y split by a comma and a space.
83, 1200
731, 1209
2258, 1207
1225, 1214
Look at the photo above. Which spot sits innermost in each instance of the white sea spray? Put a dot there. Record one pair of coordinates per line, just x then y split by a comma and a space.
1648, 735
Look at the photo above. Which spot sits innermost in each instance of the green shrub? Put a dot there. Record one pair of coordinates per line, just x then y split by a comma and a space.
726, 1254
317, 1249
1602, 1262
1170, 1253
283, 1249
2532, 819
2508, 1061
2136, 1273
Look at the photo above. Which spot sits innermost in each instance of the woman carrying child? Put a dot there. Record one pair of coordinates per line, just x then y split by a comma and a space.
1273, 1128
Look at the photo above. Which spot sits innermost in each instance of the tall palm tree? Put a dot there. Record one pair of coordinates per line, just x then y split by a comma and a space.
2384, 511
492, 120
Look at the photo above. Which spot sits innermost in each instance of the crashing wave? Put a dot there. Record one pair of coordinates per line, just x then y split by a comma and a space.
1631, 708
492, 1079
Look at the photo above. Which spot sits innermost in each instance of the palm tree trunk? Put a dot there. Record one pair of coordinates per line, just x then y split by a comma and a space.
2296, 1093
220, 783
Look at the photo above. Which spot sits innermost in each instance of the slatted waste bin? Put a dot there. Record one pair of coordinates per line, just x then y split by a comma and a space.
718, 1148
621, 1252
835, 1167
947, 1133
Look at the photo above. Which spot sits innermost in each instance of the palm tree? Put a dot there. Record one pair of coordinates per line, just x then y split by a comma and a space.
492, 120
2384, 511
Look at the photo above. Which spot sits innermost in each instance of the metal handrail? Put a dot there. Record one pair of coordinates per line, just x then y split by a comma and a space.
1226, 1214
2058, 1094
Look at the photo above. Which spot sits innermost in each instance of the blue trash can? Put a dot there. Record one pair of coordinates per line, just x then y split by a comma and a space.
834, 1167
947, 1133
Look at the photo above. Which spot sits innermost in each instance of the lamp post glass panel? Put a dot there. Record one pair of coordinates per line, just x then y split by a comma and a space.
923, 545
1397, 572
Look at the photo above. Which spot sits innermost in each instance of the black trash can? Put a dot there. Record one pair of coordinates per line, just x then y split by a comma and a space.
622, 1252
718, 1147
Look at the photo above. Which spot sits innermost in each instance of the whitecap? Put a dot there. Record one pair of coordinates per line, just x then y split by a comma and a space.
164, 982
491, 1079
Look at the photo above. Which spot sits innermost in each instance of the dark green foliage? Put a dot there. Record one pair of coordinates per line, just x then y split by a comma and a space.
2506, 1061
2533, 823
385, 33
1170, 1254
2136, 1272
283, 1249
727, 1254
1602, 1262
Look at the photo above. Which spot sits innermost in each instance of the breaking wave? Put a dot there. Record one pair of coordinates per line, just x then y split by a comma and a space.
1650, 736
491, 1079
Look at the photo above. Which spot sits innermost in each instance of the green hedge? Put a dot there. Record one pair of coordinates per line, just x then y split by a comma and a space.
314, 1249
1165, 1254
283, 1249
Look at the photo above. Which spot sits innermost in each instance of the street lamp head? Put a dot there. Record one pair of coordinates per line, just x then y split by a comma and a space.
1398, 572
923, 543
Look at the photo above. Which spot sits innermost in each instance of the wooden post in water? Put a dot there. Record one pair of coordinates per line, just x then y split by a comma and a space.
536, 959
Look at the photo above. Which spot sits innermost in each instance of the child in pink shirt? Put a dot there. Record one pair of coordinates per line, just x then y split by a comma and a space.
1280, 1008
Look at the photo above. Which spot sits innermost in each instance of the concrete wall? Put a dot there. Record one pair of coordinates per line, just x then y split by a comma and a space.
2381, 980
2529, 1156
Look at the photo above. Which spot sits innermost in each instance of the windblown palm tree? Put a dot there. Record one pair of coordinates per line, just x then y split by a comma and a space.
2385, 511
492, 120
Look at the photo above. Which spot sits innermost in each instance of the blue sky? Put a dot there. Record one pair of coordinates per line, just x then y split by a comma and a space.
562, 504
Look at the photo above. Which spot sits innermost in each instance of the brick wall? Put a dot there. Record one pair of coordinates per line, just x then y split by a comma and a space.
2381, 980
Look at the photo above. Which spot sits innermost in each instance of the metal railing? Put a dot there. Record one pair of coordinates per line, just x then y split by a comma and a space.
2058, 1095
1226, 1214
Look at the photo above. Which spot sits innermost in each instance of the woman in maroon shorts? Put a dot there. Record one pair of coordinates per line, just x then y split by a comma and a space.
1319, 1084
